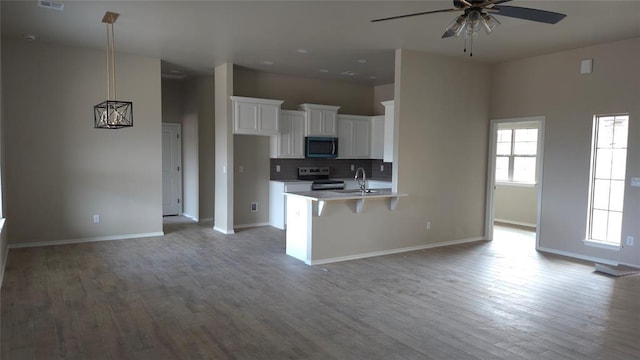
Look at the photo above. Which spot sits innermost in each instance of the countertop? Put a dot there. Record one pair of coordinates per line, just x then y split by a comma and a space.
328, 195
343, 179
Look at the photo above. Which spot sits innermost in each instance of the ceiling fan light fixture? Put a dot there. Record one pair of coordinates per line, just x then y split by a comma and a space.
489, 22
456, 27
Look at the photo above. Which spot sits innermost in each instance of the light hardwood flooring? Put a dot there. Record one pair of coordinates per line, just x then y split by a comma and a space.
196, 294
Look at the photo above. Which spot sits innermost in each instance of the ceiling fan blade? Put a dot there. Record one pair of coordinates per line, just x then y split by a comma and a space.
415, 14
543, 16
447, 34
490, 3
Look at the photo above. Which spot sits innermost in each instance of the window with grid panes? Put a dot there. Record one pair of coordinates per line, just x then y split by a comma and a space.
609, 164
516, 152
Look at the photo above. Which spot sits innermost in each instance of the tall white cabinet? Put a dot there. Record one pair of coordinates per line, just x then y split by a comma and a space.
354, 137
389, 110
289, 143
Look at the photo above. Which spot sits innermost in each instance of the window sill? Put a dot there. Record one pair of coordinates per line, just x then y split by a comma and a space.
602, 245
518, 184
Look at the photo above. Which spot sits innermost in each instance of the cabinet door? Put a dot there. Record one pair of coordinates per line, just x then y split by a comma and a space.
361, 138
246, 118
388, 130
268, 117
315, 122
329, 122
377, 137
345, 138
289, 143
297, 136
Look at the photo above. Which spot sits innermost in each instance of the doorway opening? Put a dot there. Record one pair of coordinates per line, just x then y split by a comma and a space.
514, 177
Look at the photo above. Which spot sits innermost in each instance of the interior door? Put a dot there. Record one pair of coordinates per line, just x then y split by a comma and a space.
171, 170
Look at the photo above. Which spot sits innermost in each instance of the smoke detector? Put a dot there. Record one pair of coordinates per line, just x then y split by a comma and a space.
51, 5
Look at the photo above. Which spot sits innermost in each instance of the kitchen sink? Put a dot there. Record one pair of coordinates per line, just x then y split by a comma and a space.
355, 191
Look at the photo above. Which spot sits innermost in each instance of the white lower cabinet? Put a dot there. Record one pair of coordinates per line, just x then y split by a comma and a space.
277, 201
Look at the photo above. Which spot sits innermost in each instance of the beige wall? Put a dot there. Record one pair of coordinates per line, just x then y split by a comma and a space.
353, 99
442, 156
515, 204
249, 154
381, 93
59, 169
173, 100
206, 144
552, 86
4, 246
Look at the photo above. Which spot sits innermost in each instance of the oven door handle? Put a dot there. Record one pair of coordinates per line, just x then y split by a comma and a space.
333, 147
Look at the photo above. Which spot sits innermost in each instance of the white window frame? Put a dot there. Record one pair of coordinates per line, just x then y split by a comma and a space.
513, 127
604, 244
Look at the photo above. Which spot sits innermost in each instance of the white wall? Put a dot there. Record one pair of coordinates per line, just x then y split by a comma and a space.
59, 169
552, 86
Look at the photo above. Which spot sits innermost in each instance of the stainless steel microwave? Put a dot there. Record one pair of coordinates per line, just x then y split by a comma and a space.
320, 147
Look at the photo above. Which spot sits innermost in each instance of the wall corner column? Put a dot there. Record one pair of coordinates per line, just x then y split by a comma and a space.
223, 206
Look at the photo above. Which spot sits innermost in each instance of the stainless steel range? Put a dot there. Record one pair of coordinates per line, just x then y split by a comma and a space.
320, 177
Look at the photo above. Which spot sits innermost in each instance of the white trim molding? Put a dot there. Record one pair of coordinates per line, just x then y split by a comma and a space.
5, 256
578, 256
394, 251
512, 222
85, 240
244, 226
190, 217
602, 245
223, 231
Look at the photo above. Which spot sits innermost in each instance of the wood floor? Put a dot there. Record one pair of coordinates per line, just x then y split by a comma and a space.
196, 294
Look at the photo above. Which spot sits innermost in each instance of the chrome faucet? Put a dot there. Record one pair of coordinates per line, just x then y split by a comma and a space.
363, 182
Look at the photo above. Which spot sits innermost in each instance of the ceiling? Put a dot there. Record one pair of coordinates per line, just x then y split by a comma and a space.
340, 42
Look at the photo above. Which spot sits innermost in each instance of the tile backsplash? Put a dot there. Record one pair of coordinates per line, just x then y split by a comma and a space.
339, 168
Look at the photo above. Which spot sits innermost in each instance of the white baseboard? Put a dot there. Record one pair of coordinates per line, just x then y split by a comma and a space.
190, 217
392, 251
224, 231
583, 257
85, 240
512, 222
243, 226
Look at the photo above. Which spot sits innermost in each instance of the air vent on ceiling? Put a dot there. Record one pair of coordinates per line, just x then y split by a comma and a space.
51, 5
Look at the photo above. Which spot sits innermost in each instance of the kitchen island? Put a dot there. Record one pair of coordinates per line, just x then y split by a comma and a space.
316, 230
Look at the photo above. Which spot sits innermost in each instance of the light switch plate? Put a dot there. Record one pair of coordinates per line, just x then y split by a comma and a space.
635, 181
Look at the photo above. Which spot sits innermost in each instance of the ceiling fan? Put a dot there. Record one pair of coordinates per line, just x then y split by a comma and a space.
479, 14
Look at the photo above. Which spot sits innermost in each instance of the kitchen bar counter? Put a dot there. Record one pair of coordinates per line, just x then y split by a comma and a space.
315, 220
322, 197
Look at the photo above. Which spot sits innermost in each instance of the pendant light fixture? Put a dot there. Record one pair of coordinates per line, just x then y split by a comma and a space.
112, 113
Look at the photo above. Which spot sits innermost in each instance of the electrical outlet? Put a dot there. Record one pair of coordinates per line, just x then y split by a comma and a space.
353, 168
96, 218
277, 168
629, 240
254, 207
240, 169
381, 167
428, 225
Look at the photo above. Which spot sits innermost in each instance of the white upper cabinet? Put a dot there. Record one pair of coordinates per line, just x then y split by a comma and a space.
377, 137
253, 116
289, 143
354, 136
388, 130
320, 120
